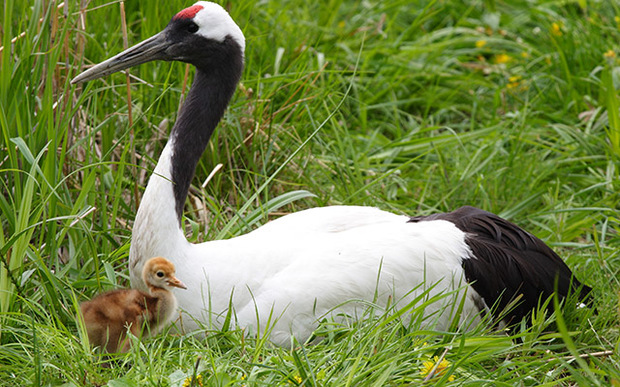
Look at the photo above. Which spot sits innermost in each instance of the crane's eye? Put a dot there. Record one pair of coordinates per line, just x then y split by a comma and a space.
192, 27
160, 274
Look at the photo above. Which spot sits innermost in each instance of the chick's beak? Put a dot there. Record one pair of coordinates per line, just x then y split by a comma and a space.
174, 281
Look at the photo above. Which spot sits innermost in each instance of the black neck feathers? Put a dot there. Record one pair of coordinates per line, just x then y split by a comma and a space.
214, 85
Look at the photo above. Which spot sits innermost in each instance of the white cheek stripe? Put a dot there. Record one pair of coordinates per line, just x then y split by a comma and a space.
215, 23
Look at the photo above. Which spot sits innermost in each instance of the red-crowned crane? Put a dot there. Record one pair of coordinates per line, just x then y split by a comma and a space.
322, 261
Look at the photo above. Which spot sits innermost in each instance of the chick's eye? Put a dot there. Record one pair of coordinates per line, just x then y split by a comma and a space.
192, 28
160, 274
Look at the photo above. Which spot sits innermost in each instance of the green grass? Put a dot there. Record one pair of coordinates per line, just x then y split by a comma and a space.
410, 106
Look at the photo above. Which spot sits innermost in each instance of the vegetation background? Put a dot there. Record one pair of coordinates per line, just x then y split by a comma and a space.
413, 106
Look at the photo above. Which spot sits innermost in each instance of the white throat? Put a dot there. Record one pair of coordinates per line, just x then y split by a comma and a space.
156, 231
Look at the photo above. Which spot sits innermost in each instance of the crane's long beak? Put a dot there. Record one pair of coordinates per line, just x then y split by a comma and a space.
148, 50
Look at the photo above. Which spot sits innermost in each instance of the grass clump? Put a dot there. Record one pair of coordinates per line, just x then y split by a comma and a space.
412, 107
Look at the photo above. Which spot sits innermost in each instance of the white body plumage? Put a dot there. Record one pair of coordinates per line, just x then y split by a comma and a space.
296, 269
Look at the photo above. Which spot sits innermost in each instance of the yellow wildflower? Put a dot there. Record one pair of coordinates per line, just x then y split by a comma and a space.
525, 54
341, 24
617, 19
502, 58
556, 29
188, 381
514, 81
440, 369
610, 54
297, 379
481, 43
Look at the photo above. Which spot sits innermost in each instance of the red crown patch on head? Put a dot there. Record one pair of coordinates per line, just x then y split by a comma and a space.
188, 13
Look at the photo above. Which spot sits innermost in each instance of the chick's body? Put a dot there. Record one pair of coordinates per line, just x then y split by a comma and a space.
108, 316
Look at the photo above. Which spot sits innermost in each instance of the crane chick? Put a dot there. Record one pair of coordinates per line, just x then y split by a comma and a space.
108, 316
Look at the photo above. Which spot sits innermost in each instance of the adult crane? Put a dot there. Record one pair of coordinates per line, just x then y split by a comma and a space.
295, 270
